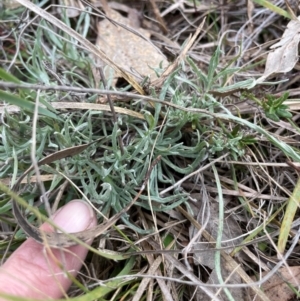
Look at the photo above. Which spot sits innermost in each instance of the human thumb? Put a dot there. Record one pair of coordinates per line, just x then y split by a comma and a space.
33, 272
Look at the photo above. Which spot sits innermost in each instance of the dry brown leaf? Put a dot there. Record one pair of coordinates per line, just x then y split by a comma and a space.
276, 288
131, 52
285, 54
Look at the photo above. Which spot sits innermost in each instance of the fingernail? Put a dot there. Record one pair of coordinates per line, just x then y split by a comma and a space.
75, 216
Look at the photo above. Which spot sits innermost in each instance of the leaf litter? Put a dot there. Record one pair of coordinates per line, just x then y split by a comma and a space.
284, 55
133, 52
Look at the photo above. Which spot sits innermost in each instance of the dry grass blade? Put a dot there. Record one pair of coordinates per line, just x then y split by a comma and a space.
95, 107
159, 82
80, 106
145, 282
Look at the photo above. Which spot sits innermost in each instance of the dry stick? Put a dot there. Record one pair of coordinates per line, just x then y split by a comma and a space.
106, 92
100, 91
64, 239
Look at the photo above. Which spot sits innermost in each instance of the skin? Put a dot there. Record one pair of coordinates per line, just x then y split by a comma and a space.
33, 270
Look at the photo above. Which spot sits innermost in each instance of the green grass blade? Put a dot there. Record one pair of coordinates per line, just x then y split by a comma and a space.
26, 105
289, 215
273, 8
8, 77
